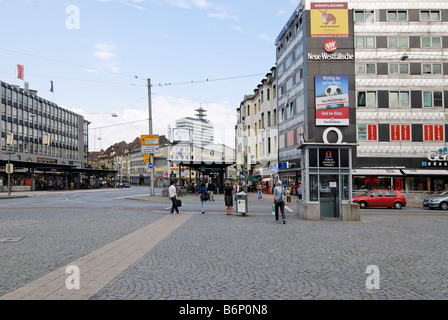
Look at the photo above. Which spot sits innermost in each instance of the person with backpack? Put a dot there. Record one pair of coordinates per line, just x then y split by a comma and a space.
279, 200
203, 193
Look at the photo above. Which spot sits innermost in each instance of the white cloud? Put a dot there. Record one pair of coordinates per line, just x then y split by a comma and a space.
134, 121
106, 53
265, 37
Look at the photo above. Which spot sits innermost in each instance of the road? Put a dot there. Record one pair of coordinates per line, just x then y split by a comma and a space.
122, 198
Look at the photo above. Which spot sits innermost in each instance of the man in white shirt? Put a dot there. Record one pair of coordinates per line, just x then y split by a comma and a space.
173, 197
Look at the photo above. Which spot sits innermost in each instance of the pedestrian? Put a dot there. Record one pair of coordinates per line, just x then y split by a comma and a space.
211, 190
288, 194
203, 196
299, 191
173, 196
228, 197
260, 191
279, 201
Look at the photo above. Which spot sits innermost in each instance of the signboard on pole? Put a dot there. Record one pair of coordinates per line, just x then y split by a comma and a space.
150, 140
150, 150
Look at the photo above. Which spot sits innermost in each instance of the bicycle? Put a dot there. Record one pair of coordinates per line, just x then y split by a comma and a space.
165, 192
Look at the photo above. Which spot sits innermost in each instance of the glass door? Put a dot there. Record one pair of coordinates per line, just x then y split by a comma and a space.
329, 196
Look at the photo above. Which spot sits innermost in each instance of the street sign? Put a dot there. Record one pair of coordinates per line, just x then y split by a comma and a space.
9, 168
150, 150
146, 158
150, 165
150, 140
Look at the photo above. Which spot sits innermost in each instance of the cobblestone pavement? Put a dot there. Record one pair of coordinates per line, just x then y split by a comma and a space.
219, 257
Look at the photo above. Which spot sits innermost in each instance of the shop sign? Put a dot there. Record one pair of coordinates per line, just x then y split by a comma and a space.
437, 158
328, 158
324, 56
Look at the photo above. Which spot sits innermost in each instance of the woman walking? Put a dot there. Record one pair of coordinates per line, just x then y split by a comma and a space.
260, 191
203, 196
228, 197
279, 200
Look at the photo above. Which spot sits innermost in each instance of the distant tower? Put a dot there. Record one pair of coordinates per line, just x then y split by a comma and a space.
201, 129
201, 113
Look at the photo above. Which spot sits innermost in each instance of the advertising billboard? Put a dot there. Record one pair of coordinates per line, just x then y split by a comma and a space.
332, 100
181, 135
329, 20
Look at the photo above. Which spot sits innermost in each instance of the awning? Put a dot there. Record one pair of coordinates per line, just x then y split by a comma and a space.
426, 172
376, 172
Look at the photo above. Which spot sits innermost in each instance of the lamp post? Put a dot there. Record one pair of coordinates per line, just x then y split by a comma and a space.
9, 167
152, 170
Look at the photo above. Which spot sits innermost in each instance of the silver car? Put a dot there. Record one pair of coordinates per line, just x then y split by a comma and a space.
437, 201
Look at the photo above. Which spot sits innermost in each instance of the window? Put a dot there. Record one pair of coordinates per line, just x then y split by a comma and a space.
431, 68
432, 99
367, 132
365, 68
398, 99
397, 15
398, 68
364, 15
400, 132
431, 42
429, 15
388, 193
365, 42
433, 132
397, 42
366, 99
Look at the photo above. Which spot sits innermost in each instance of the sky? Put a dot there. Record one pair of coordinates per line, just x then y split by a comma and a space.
100, 53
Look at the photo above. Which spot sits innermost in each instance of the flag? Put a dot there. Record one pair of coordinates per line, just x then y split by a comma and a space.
20, 70
51, 87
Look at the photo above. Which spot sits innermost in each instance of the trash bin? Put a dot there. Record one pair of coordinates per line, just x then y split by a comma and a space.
241, 203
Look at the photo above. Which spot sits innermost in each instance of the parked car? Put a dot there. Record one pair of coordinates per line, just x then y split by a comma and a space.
437, 201
127, 185
381, 198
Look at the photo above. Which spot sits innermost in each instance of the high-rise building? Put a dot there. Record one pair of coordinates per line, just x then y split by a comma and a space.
201, 130
362, 98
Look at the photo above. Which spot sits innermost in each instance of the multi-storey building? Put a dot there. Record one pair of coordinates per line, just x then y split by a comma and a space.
362, 98
194, 156
44, 138
201, 130
256, 131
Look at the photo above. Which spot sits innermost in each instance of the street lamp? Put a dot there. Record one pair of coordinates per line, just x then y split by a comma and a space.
9, 166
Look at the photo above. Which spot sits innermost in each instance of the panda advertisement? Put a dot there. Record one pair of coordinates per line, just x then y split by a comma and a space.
332, 102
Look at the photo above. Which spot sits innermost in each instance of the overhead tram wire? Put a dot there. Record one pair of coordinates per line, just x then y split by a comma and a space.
127, 75
120, 124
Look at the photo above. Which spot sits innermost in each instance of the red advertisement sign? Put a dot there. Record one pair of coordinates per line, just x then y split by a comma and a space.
373, 133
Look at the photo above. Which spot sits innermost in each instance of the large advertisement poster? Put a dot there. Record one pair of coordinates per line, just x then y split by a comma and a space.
332, 100
329, 20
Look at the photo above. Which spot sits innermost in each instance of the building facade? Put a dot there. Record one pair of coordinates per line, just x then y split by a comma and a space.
256, 132
41, 134
362, 97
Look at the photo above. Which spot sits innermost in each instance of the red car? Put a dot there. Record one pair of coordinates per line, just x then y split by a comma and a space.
381, 198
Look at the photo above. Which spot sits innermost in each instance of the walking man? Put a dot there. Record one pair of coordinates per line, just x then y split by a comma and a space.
173, 196
211, 190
